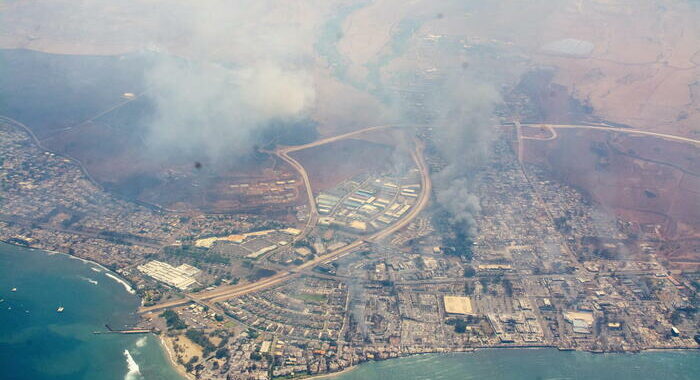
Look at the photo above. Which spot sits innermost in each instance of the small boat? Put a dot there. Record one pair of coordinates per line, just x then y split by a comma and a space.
14, 289
60, 309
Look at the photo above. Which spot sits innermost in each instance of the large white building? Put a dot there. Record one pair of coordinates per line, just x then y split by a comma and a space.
181, 277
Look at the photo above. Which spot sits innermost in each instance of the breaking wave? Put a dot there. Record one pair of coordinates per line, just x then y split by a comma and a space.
94, 282
134, 370
119, 280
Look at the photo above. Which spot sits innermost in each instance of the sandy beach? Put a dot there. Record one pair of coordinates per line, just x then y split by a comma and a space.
333, 374
167, 345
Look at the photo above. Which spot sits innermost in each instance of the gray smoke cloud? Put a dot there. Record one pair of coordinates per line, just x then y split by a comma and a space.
461, 204
463, 130
463, 121
358, 299
240, 65
206, 107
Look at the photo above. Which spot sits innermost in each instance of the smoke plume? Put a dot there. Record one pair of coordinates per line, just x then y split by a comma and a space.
463, 131
241, 66
204, 107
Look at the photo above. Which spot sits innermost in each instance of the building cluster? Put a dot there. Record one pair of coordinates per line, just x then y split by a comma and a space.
312, 308
281, 190
49, 202
527, 285
251, 245
368, 203
182, 277
544, 268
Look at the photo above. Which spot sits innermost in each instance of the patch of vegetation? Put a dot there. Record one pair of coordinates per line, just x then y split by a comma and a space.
196, 254
469, 271
173, 320
460, 325
562, 224
230, 325
268, 225
252, 333
261, 273
221, 353
198, 337
507, 287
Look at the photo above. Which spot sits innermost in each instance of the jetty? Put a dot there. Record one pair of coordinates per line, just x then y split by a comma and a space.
124, 331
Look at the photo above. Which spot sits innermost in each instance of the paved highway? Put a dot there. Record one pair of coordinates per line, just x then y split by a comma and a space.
226, 292
617, 129
283, 153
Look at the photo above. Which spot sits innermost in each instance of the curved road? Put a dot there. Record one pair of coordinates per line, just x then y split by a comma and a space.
283, 153
226, 292
617, 129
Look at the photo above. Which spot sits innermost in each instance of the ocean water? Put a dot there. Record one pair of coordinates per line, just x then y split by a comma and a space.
533, 364
37, 342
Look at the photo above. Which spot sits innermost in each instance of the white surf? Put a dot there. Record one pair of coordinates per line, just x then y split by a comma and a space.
141, 342
88, 279
119, 280
134, 370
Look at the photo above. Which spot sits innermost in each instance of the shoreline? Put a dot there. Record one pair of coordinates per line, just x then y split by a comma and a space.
469, 350
165, 344
338, 373
117, 278
108, 272
357, 365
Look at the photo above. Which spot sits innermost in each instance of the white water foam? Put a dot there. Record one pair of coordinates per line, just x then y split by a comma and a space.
134, 370
95, 269
141, 342
119, 280
88, 279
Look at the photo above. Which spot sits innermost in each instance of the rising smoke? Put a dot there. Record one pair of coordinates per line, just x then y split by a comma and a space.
204, 107
245, 65
463, 122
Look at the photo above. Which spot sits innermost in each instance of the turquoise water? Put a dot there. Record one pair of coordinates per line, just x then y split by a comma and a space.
533, 364
37, 342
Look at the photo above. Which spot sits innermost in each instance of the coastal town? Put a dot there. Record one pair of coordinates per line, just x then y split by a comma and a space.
243, 296
350, 189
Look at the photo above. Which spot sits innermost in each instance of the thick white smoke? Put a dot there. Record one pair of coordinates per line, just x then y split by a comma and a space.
204, 107
241, 65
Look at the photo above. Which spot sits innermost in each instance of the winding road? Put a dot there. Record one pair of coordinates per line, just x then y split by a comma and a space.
230, 291
631, 131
